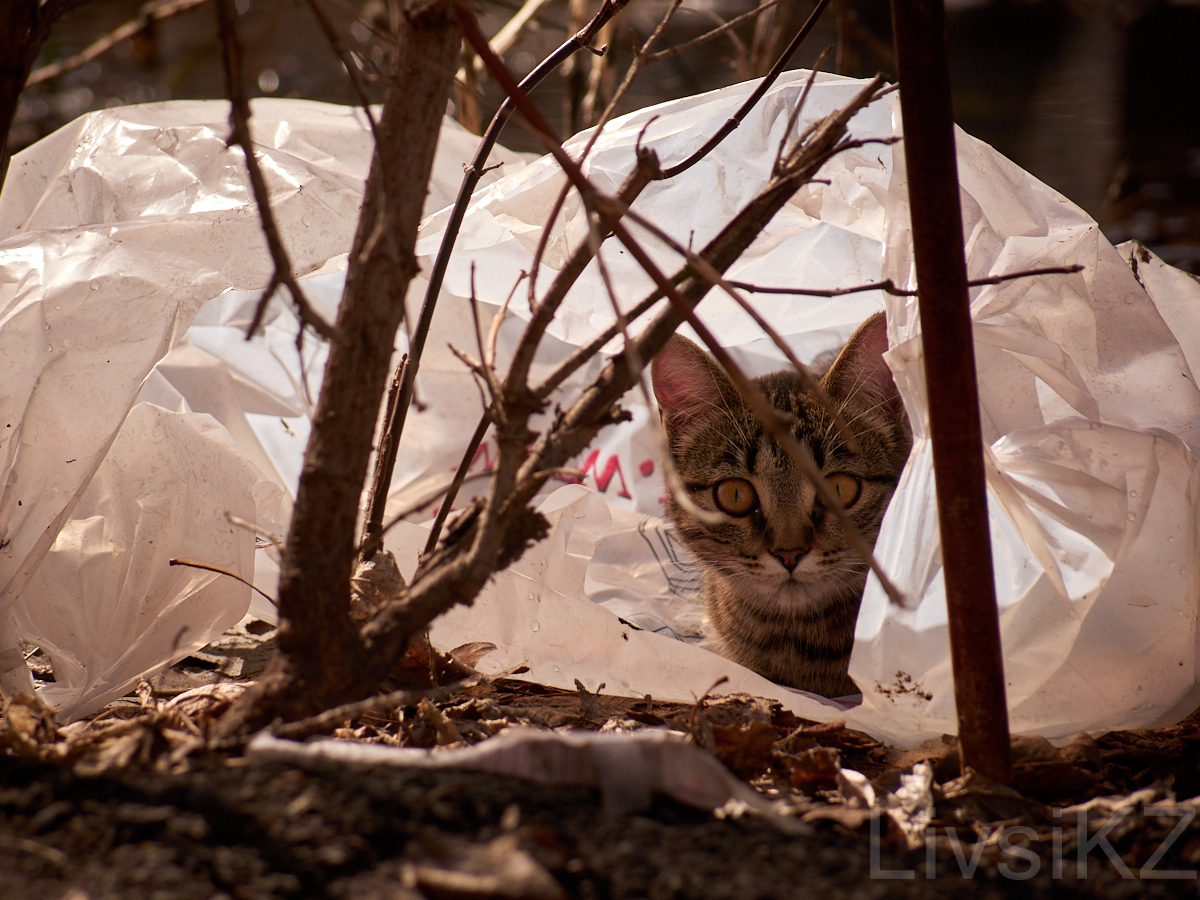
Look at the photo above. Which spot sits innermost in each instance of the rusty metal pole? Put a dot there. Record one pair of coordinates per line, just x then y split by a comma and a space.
951, 385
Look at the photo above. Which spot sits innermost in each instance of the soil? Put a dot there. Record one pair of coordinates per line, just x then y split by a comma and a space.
133, 805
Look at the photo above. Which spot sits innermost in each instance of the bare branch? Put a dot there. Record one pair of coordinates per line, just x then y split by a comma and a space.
322, 651
431, 496
827, 139
889, 287
473, 173
674, 481
332, 34
151, 12
583, 354
796, 110
707, 272
385, 465
381, 703
630, 74
763, 86
234, 575
712, 35
460, 478
506, 36
239, 123
598, 75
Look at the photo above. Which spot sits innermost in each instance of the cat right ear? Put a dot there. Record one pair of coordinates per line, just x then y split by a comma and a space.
687, 382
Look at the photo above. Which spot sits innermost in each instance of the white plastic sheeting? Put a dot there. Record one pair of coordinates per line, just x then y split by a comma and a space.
114, 232
1090, 409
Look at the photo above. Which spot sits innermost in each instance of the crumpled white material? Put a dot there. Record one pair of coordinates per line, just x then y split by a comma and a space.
1090, 410
150, 500
1092, 417
627, 767
114, 232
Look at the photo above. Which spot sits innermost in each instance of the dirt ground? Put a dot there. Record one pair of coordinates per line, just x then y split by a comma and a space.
136, 804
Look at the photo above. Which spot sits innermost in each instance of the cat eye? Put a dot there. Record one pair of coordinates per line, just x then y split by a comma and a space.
735, 496
846, 487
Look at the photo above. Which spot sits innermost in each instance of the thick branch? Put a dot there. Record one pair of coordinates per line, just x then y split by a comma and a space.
321, 663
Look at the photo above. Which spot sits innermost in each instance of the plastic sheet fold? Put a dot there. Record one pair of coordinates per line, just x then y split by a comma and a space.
130, 260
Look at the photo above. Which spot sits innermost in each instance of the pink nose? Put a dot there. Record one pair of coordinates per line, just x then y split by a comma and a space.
789, 558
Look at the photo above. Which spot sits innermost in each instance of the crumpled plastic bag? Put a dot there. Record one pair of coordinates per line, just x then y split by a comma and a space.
105, 600
1090, 407
627, 767
114, 232
1092, 417
1090, 412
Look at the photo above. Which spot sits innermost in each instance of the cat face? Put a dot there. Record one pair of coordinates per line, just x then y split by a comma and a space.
777, 567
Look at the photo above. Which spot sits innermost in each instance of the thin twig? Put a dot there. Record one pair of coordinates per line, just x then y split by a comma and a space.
482, 369
219, 571
348, 712
256, 530
239, 123
495, 531
582, 355
385, 465
355, 12
597, 76
472, 174
150, 12
493, 341
460, 477
767, 32
740, 51
889, 287
672, 478
643, 174
634, 68
755, 96
710, 35
506, 37
330, 29
423, 501
796, 110
707, 272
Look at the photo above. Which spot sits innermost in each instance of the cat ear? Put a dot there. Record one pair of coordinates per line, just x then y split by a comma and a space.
687, 382
860, 370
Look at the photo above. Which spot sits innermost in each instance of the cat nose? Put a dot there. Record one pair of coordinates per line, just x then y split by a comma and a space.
789, 558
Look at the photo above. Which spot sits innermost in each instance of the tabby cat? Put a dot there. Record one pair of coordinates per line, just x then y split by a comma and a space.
781, 583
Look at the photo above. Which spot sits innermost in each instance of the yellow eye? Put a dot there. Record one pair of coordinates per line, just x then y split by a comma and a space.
846, 487
735, 496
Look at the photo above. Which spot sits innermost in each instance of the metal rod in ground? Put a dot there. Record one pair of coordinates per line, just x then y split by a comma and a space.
951, 386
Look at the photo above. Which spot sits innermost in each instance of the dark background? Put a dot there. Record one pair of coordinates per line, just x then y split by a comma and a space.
1097, 99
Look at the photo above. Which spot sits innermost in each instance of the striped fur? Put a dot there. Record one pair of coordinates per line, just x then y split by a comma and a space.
781, 583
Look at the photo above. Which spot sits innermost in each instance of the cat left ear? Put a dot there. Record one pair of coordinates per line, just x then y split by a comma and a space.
687, 382
860, 369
